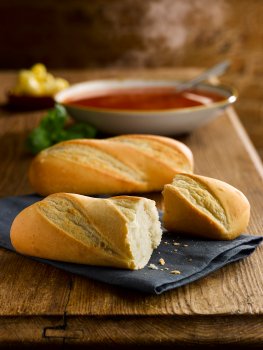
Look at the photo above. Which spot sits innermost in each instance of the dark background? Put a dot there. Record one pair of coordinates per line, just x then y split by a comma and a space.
142, 33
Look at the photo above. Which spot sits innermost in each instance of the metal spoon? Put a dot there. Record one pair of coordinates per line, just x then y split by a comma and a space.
216, 70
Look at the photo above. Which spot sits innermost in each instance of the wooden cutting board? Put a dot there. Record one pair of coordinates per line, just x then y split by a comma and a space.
42, 305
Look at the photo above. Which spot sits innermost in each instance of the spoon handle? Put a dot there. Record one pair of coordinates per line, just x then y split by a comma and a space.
216, 70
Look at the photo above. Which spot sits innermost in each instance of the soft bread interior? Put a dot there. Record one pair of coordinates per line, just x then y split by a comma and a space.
201, 198
144, 228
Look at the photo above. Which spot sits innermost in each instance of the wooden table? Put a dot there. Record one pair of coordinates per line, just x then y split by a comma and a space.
41, 305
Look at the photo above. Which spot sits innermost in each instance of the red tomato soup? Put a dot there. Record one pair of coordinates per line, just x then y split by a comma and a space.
147, 99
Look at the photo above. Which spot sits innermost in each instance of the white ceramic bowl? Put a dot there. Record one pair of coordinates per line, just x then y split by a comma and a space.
162, 122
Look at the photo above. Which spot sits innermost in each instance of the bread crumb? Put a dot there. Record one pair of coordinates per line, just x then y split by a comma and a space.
185, 245
166, 268
176, 243
190, 259
162, 262
175, 272
166, 243
161, 269
175, 250
153, 267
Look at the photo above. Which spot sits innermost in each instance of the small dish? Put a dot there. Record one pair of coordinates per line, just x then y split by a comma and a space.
35, 89
162, 121
29, 103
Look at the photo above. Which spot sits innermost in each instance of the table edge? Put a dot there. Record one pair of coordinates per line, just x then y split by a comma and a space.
243, 135
123, 330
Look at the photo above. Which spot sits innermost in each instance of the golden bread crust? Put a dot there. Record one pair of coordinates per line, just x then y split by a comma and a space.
74, 228
124, 164
205, 207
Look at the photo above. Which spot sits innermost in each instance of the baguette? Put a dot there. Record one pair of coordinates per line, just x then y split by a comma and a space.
205, 207
120, 231
122, 164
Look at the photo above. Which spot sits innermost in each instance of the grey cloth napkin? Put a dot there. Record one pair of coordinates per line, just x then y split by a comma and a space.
186, 260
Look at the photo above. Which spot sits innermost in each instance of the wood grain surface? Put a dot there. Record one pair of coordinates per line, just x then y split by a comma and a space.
223, 308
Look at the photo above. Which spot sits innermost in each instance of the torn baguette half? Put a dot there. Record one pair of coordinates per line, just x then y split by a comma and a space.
205, 207
119, 231
122, 164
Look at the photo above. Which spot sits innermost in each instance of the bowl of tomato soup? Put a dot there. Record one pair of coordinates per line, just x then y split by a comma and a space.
144, 106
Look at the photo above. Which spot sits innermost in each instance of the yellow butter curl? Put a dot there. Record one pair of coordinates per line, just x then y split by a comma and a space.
38, 82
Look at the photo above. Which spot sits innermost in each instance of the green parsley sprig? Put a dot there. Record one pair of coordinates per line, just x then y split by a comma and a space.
52, 130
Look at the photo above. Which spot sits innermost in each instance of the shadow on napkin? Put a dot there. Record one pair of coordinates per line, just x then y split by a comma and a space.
186, 260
